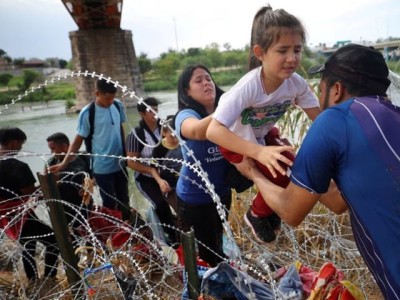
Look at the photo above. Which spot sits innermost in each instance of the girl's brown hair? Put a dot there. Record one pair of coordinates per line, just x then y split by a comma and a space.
267, 28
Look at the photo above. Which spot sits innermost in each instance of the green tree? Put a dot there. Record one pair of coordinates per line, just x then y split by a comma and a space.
144, 63
63, 63
28, 78
213, 55
194, 52
5, 79
3, 55
234, 58
18, 61
70, 65
194, 60
227, 46
168, 64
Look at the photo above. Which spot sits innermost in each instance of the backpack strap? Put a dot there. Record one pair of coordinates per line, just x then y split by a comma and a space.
121, 130
88, 139
139, 131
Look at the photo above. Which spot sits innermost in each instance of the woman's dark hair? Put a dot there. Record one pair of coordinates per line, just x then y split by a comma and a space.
185, 101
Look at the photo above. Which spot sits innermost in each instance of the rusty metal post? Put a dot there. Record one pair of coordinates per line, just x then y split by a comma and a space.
189, 254
60, 227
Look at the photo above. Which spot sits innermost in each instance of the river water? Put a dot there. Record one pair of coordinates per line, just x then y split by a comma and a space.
40, 121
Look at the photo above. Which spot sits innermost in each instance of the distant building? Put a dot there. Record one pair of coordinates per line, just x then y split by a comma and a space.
34, 63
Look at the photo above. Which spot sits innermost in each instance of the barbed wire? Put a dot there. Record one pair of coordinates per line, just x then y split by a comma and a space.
147, 263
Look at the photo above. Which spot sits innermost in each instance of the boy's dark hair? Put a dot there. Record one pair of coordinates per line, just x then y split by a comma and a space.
150, 101
58, 138
9, 134
105, 87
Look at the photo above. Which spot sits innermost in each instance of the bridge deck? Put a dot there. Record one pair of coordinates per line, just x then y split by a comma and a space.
89, 14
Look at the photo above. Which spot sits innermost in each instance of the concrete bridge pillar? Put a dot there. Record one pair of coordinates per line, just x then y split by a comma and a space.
107, 51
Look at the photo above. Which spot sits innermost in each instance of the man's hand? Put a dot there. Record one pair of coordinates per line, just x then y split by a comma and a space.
164, 186
56, 168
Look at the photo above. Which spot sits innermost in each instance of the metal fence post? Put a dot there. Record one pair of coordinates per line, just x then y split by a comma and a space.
189, 254
60, 227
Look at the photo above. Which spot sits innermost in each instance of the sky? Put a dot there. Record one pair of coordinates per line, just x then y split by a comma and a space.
40, 28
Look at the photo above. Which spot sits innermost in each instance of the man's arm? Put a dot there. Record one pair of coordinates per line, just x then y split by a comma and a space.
333, 199
293, 203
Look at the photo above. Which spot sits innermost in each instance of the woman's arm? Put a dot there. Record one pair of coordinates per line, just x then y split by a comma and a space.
195, 129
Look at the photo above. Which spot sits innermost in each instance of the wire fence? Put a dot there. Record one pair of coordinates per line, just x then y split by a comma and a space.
120, 260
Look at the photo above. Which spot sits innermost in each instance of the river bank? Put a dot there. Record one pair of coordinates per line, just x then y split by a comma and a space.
39, 120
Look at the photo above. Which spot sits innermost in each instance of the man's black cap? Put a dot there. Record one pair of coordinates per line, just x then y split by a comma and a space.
357, 64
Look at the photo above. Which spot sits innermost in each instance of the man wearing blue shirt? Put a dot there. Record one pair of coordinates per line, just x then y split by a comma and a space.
350, 159
106, 137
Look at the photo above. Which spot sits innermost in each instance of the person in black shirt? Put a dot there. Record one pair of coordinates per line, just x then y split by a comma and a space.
17, 184
71, 180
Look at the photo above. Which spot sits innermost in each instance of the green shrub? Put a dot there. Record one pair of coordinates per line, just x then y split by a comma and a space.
394, 66
159, 85
228, 77
69, 103
7, 96
15, 81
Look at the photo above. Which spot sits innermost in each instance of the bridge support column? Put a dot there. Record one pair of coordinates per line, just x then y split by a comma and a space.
109, 52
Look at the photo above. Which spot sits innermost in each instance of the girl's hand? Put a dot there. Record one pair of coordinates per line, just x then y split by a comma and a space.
271, 157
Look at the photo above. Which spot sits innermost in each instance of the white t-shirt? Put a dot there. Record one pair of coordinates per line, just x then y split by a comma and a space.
251, 113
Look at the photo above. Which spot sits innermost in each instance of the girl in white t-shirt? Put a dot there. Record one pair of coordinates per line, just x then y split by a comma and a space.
249, 110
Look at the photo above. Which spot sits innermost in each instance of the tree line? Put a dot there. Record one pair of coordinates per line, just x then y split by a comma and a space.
227, 66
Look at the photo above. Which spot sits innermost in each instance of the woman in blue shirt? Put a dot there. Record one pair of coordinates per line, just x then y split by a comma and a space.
197, 99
